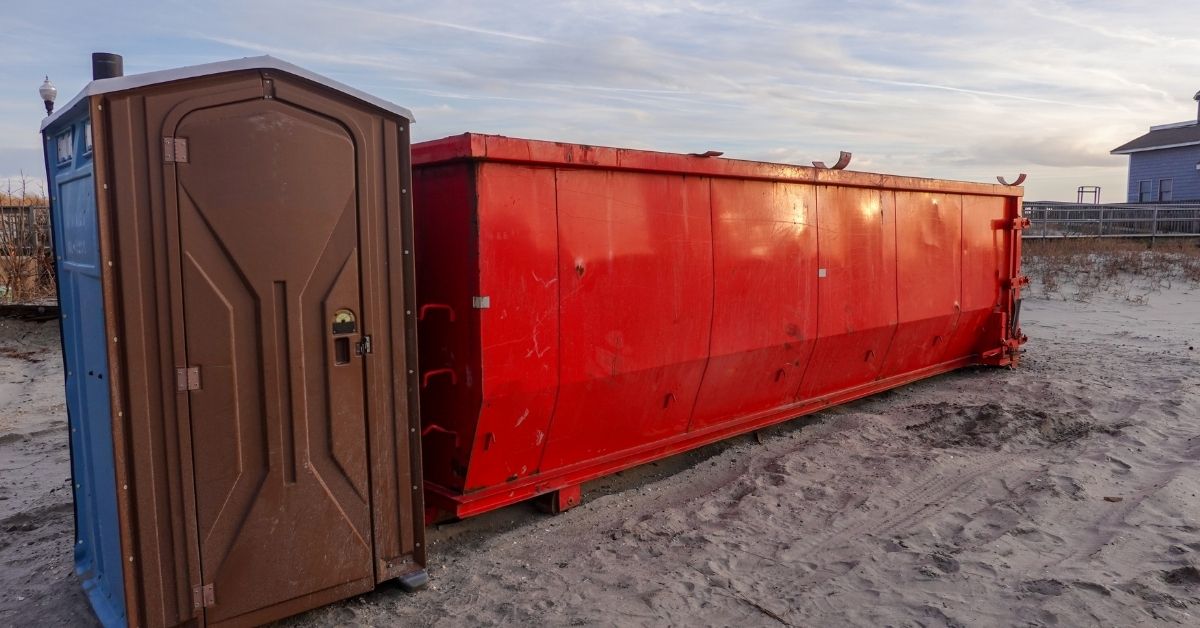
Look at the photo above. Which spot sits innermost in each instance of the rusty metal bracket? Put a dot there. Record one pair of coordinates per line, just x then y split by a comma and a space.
842, 162
707, 153
1019, 281
1014, 323
1019, 181
1010, 224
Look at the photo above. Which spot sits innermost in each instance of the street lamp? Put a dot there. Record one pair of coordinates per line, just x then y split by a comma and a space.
48, 92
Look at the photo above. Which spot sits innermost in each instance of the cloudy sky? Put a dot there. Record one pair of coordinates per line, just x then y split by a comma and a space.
964, 90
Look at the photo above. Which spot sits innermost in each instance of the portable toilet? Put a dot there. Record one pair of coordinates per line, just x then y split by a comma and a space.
232, 244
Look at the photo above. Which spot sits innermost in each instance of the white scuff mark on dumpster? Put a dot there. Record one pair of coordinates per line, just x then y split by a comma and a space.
538, 437
521, 419
537, 349
545, 283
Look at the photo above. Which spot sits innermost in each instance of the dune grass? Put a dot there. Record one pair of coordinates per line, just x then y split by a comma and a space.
1081, 268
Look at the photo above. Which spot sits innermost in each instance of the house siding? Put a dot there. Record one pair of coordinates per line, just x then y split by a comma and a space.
1177, 164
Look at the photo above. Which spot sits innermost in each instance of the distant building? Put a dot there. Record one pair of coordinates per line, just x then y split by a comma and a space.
1164, 164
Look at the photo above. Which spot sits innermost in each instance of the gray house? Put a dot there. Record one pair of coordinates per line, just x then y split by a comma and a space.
1164, 164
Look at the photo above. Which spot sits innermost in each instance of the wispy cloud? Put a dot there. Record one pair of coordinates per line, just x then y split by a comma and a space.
967, 89
980, 92
466, 28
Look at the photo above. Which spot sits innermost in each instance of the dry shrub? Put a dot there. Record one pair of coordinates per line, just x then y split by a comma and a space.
1081, 268
26, 261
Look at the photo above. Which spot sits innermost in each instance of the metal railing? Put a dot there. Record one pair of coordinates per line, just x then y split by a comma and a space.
1119, 220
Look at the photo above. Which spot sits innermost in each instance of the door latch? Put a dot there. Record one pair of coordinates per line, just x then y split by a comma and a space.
364, 346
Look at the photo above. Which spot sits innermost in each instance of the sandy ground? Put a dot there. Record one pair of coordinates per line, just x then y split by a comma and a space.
37, 582
1062, 493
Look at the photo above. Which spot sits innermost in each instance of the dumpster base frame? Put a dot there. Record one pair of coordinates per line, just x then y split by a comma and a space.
462, 505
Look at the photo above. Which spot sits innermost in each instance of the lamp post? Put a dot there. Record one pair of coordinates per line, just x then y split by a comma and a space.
48, 93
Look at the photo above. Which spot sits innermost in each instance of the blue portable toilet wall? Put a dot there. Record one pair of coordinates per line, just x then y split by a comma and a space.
73, 216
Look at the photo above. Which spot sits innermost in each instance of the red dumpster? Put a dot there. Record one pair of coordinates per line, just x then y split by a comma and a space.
587, 309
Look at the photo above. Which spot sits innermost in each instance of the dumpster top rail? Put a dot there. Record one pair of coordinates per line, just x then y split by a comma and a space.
498, 148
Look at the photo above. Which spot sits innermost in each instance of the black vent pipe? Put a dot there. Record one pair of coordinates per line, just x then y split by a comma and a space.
107, 65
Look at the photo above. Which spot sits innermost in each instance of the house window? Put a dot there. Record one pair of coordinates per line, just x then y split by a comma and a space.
87, 136
66, 147
1144, 192
1165, 190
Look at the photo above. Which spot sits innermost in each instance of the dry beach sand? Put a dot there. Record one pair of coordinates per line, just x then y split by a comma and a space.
1062, 493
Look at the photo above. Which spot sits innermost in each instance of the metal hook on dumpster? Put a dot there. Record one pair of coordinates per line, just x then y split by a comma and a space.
842, 162
1019, 181
435, 372
434, 427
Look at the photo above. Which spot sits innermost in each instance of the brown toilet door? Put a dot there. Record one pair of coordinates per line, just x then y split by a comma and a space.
268, 204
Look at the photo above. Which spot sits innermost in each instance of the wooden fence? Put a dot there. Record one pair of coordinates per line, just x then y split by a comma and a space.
26, 255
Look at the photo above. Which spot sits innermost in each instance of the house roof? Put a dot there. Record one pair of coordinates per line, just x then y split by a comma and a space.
265, 62
1166, 136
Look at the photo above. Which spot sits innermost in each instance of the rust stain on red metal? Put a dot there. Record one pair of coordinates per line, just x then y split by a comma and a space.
645, 303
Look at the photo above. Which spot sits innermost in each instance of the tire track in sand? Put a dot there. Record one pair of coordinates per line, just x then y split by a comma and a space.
926, 494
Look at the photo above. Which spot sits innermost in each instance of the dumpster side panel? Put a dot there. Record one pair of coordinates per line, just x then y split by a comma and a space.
518, 275
635, 268
857, 299
929, 279
765, 297
986, 244
760, 291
